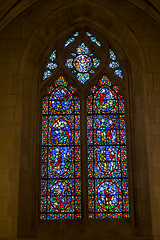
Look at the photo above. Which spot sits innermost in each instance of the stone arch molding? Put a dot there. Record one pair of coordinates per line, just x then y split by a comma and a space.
66, 19
56, 25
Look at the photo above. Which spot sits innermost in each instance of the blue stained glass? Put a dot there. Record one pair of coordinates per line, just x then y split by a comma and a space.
82, 49
118, 72
96, 62
47, 74
76, 34
83, 77
114, 64
82, 63
53, 55
73, 54
93, 39
88, 34
60, 164
107, 160
69, 63
70, 40
51, 65
112, 55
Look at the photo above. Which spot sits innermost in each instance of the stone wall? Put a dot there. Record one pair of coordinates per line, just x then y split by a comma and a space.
25, 44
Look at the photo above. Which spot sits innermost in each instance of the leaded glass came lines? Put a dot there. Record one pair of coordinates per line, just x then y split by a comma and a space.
107, 161
60, 174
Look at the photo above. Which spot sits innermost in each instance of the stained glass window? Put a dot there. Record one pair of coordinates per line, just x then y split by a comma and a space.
83, 63
115, 64
51, 65
60, 174
93, 39
70, 40
107, 157
107, 161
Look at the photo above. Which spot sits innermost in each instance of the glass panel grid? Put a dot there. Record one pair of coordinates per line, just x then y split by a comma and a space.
107, 161
60, 167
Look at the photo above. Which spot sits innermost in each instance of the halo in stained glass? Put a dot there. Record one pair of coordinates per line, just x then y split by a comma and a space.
105, 100
107, 160
60, 170
106, 130
82, 63
60, 131
61, 100
60, 196
60, 161
108, 196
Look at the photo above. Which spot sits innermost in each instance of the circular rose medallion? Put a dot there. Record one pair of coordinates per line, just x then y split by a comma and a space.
105, 100
60, 160
106, 131
61, 132
60, 196
107, 159
61, 100
108, 195
82, 63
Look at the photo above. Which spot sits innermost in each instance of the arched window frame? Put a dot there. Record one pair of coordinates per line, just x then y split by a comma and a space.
84, 90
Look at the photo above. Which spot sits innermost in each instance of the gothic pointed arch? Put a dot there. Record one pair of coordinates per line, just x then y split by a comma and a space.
106, 158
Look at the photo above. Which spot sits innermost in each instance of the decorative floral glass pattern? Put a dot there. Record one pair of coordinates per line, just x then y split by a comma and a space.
50, 66
82, 63
114, 64
60, 174
107, 161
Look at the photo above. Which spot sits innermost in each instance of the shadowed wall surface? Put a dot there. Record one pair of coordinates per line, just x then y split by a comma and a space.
30, 30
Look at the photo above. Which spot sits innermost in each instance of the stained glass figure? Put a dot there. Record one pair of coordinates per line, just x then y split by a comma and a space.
50, 66
70, 40
60, 174
115, 64
93, 39
107, 159
82, 63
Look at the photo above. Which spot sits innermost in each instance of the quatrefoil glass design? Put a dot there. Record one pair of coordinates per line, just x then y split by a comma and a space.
82, 63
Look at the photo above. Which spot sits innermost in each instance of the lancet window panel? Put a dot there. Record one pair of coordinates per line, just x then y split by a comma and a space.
60, 174
107, 160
